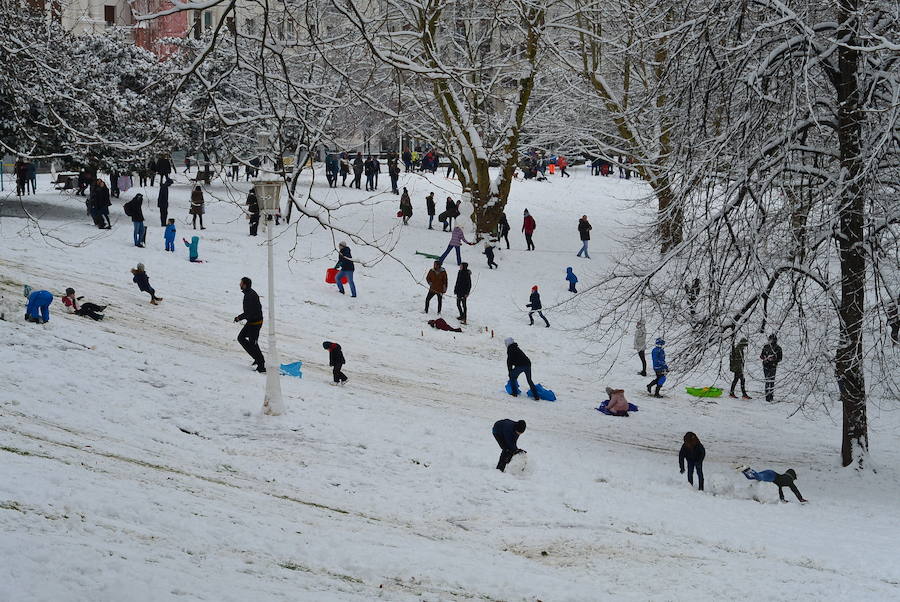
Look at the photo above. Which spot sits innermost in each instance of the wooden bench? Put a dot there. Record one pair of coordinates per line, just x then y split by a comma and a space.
204, 175
66, 181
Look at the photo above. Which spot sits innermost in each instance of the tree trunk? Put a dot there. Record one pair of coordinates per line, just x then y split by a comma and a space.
849, 369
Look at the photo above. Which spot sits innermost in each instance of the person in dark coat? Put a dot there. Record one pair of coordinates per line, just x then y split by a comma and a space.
336, 361
249, 334
461, 289
429, 207
407, 160
584, 232
507, 432
693, 452
253, 210
771, 355
535, 305
134, 210
358, 166
369, 169
114, 184
139, 276
736, 365
518, 363
504, 229
394, 173
100, 203
87, 309
162, 201
781, 480
163, 166
489, 253
197, 206
346, 267
406, 208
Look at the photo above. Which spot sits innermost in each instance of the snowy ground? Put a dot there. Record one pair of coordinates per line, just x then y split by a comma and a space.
385, 488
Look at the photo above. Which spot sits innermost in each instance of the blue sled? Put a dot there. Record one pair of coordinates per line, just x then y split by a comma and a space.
602, 408
292, 369
545, 394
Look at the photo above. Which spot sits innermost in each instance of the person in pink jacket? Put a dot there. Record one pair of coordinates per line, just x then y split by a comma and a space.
457, 237
618, 405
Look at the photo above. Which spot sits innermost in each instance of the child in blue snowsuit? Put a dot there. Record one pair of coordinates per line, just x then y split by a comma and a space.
572, 278
193, 248
38, 308
170, 236
659, 367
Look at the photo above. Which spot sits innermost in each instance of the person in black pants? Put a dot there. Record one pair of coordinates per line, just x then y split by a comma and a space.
504, 229
518, 363
771, 355
506, 432
249, 334
336, 361
736, 365
535, 305
461, 289
694, 452
162, 201
253, 210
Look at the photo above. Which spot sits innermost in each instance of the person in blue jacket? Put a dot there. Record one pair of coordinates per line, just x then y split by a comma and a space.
506, 432
346, 267
38, 308
169, 235
572, 278
193, 248
659, 367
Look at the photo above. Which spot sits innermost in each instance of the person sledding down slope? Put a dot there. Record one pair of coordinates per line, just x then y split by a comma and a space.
659, 367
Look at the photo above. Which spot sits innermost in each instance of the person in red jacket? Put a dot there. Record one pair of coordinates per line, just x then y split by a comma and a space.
562, 164
528, 227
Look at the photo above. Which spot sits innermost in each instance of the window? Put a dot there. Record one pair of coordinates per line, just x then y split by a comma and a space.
109, 14
250, 26
207, 20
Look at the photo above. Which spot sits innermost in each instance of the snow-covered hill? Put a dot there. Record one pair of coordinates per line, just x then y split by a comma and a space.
136, 464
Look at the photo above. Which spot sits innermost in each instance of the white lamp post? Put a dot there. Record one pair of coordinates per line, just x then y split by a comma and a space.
268, 194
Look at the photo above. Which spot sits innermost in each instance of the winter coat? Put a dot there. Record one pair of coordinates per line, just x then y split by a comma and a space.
584, 229
358, 164
252, 307
659, 359
786, 480
196, 202
450, 208
335, 355
489, 251
163, 199
170, 233
505, 431
345, 166
252, 204
570, 276
134, 209
529, 225
504, 225
429, 204
457, 237
535, 301
771, 354
141, 279
70, 303
100, 198
369, 167
640, 337
406, 207
345, 260
515, 357
562, 162
163, 166
441, 324
617, 402
736, 359
193, 247
693, 454
463, 285
437, 280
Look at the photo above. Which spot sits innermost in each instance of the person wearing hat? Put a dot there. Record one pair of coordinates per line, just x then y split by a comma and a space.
658, 355
518, 363
336, 361
506, 433
461, 289
528, 227
139, 276
89, 310
249, 334
345, 267
770, 356
781, 480
535, 305
736, 365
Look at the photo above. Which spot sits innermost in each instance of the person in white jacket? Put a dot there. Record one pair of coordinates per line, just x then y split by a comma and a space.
640, 344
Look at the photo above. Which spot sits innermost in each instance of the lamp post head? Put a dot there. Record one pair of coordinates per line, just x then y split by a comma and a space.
268, 195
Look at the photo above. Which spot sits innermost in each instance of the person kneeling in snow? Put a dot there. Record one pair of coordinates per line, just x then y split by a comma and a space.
89, 310
441, 324
193, 249
782, 480
618, 405
507, 433
336, 361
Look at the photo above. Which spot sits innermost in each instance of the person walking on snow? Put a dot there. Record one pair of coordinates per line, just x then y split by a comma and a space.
528, 227
489, 253
406, 208
169, 235
429, 207
457, 237
659, 367
518, 363
336, 361
640, 344
771, 355
781, 480
584, 232
394, 173
535, 305
506, 433
437, 285
139, 276
358, 166
461, 289
193, 249
572, 278
736, 365
503, 229
197, 206
162, 200
249, 334
38, 308
134, 210
562, 163
693, 452
345, 267
344, 164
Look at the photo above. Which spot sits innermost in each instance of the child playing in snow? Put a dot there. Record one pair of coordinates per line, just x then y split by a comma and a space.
170, 236
193, 248
535, 305
659, 367
140, 277
694, 452
782, 480
489, 252
89, 310
572, 278
336, 361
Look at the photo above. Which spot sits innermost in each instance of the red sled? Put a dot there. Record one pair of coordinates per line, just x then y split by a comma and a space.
399, 214
331, 276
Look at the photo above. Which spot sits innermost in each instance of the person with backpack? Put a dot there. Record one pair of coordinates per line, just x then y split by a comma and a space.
518, 363
437, 285
528, 227
336, 361
461, 289
658, 355
736, 365
139, 276
693, 452
640, 344
197, 206
503, 229
169, 235
781, 480
584, 232
134, 210
572, 279
506, 433
770, 355
535, 305
248, 337
345, 266
406, 208
429, 207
